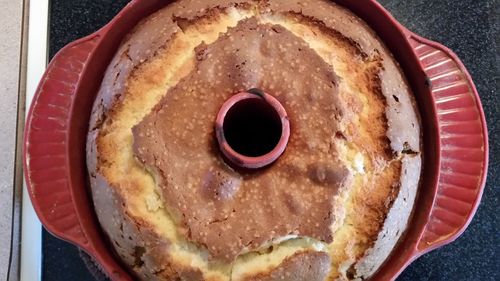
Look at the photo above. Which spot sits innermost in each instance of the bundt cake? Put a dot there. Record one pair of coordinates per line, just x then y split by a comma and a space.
332, 206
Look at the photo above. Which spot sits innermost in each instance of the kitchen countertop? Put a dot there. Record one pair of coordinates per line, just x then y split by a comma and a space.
468, 27
11, 17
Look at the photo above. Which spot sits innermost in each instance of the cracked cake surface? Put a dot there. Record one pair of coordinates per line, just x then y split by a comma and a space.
229, 211
335, 203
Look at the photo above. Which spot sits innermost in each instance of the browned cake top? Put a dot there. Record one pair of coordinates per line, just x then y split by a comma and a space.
229, 211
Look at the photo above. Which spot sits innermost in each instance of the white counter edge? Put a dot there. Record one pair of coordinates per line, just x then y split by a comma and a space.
31, 229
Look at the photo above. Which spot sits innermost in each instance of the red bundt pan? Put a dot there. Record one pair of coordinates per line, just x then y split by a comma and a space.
454, 136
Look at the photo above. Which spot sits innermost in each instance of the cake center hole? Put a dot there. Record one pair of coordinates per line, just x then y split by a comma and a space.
252, 127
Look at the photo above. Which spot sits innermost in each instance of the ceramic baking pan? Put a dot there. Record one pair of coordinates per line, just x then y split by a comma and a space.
454, 137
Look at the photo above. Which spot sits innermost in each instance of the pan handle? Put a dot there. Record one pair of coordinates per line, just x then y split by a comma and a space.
46, 163
47, 153
463, 144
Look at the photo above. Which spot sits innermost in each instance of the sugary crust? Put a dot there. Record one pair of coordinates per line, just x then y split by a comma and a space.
263, 206
147, 252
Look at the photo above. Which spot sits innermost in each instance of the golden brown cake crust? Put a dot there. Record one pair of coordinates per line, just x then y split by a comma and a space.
176, 140
145, 249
